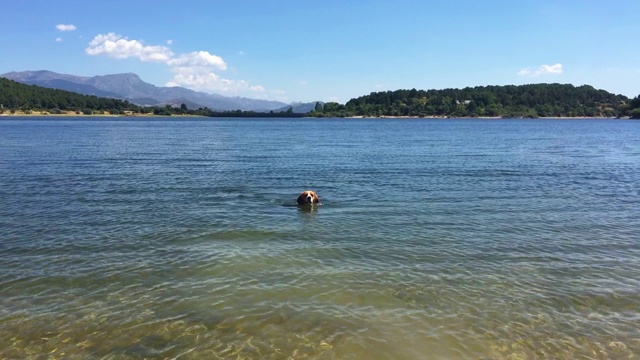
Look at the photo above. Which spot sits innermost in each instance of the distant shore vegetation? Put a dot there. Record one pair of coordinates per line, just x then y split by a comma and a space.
511, 101
523, 101
21, 99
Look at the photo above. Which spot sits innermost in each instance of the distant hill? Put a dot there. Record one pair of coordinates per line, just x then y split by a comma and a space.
19, 96
300, 108
178, 102
74, 87
130, 87
531, 101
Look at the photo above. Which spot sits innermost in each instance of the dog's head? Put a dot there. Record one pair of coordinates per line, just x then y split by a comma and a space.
308, 197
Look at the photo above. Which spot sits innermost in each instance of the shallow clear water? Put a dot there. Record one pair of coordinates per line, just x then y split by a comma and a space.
437, 239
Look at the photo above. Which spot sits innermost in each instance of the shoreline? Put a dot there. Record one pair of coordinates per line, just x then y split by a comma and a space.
22, 114
490, 117
74, 114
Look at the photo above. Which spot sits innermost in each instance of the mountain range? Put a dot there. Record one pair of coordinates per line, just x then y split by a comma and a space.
130, 87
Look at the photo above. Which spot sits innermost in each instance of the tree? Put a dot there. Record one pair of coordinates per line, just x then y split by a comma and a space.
16, 95
525, 100
472, 108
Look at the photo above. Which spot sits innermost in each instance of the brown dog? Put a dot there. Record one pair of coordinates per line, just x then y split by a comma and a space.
308, 197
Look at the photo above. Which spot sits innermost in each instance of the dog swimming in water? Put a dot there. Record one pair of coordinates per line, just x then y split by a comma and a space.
308, 197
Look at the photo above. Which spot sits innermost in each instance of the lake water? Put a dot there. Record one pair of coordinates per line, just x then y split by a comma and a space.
436, 239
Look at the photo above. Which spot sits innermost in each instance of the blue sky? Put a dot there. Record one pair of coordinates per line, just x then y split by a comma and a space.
330, 50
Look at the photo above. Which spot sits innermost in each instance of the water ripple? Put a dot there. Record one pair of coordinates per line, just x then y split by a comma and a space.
455, 239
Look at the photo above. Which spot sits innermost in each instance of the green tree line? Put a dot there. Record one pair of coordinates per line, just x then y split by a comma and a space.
532, 101
633, 110
536, 100
15, 96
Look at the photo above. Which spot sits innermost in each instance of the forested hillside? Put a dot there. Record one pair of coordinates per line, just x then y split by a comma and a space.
536, 100
532, 101
17, 96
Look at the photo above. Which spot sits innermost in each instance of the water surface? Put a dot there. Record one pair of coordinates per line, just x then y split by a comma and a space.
436, 239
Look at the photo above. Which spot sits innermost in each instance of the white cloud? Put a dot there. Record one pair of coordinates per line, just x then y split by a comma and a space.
169, 42
203, 79
555, 69
196, 70
58, 39
118, 47
198, 59
64, 27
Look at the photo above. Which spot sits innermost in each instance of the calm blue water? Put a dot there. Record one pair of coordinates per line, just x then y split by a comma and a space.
436, 239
